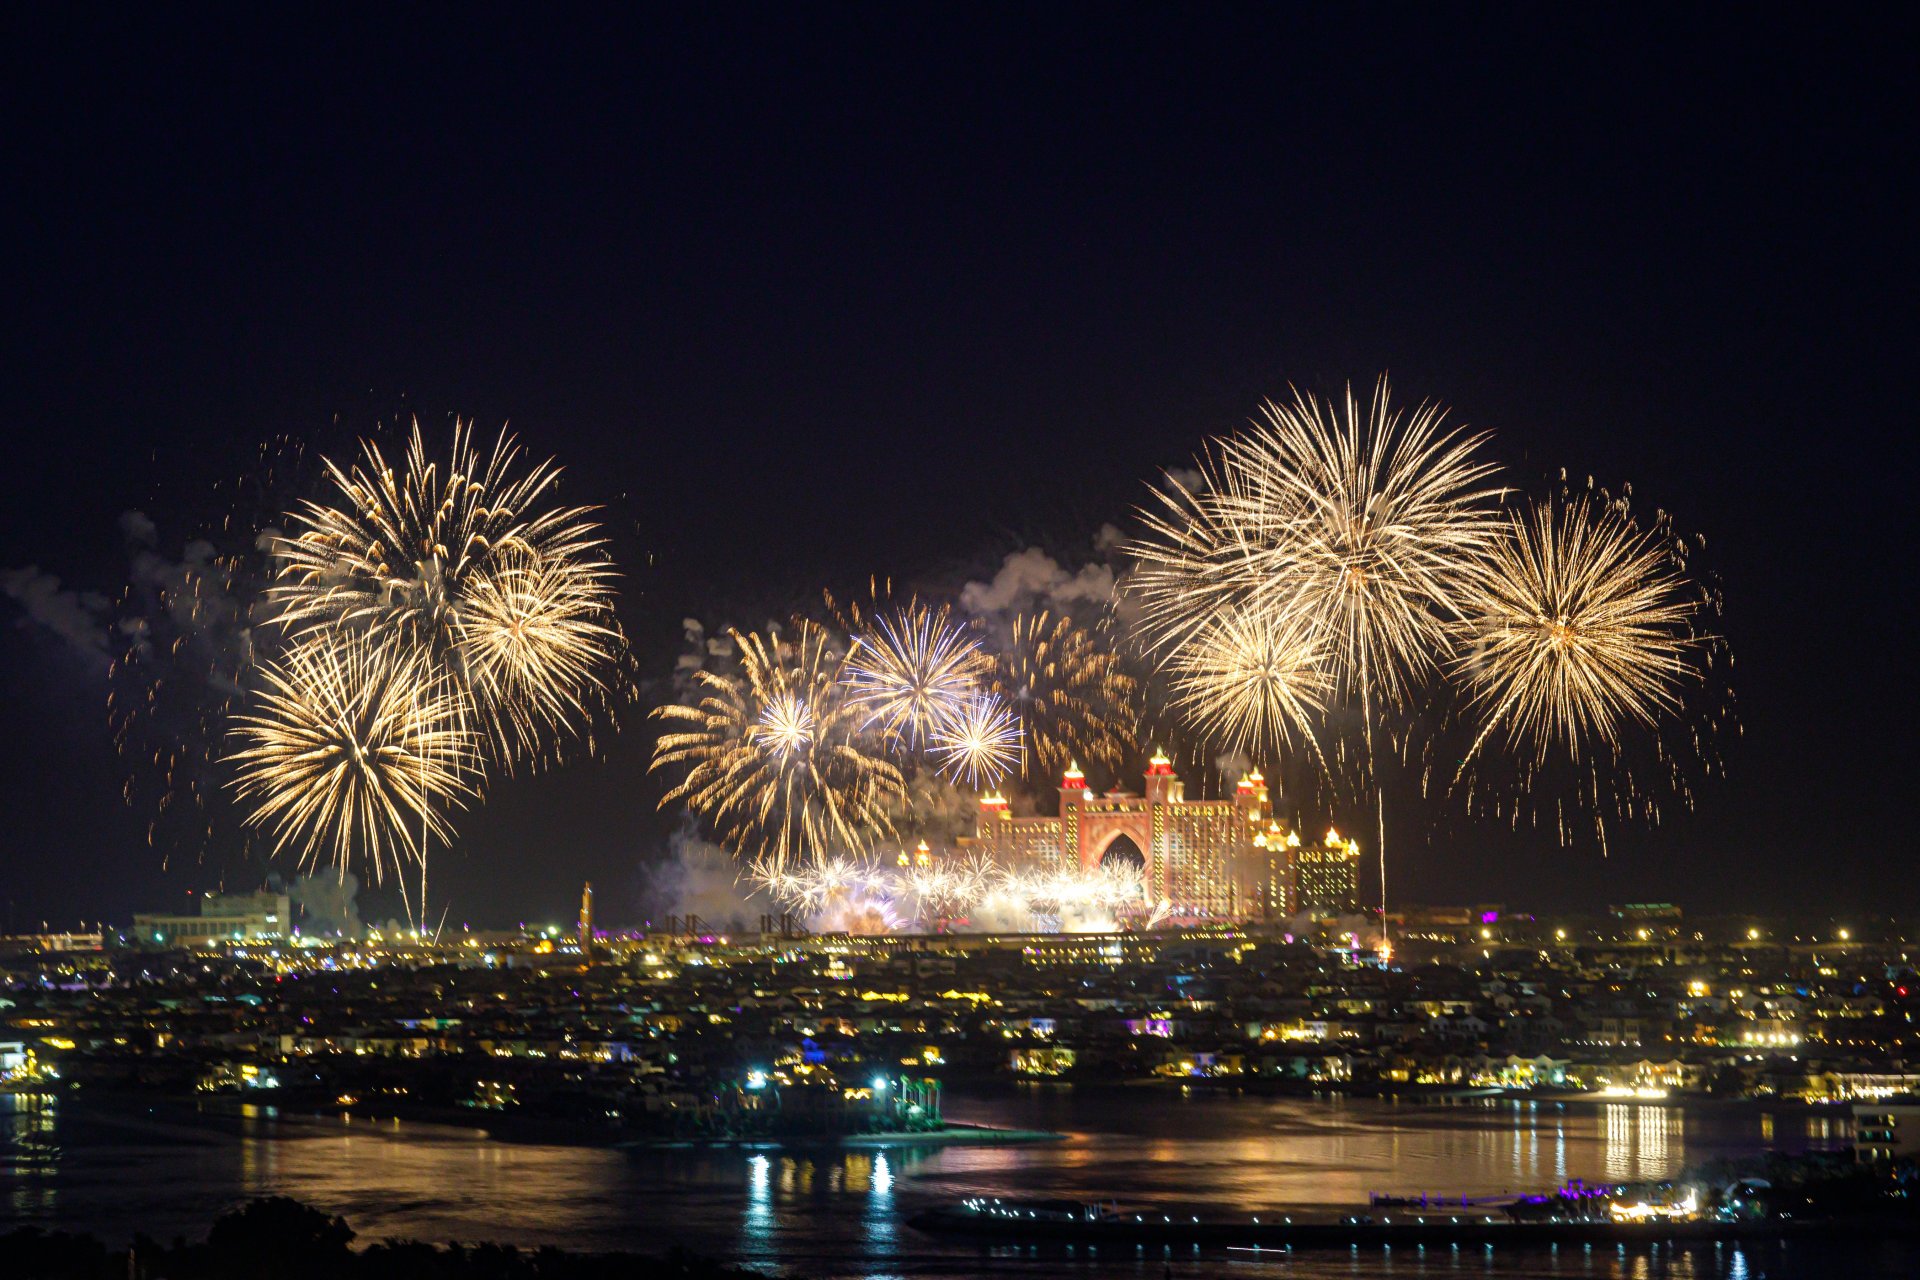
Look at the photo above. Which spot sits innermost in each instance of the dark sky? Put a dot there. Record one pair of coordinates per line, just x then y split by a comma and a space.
807, 297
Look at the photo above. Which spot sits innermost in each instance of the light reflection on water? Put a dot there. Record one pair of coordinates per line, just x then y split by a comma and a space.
823, 1212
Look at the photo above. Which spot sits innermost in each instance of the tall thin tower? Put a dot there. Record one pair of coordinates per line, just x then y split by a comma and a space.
586, 923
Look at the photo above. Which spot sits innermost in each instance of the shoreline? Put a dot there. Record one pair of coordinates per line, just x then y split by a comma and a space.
1281, 1238
947, 1135
525, 1130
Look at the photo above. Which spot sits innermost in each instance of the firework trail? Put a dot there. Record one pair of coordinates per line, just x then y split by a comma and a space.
348, 750
469, 562
1070, 690
777, 759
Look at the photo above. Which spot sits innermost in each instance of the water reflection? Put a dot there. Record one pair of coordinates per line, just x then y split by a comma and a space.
756, 1225
882, 1222
825, 1212
29, 1152
1643, 1143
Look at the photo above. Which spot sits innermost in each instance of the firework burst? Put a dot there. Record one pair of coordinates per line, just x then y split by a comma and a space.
912, 670
354, 752
536, 636
469, 561
841, 894
776, 755
978, 743
1577, 623
1584, 649
1072, 694
1251, 679
857, 893
1361, 523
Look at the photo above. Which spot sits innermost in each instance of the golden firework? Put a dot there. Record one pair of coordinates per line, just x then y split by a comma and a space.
1251, 679
468, 560
1578, 623
1360, 523
536, 635
354, 752
776, 754
1072, 694
979, 743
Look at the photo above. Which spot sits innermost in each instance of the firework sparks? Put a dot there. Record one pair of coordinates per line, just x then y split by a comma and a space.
1361, 522
979, 743
1251, 679
354, 751
1577, 623
912, 670
190, 624
841, 891
1585, 649
469, 561
1360, 526
776, 757
840, 894
1073, 697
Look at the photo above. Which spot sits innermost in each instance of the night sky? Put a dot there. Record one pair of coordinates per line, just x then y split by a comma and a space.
802, 298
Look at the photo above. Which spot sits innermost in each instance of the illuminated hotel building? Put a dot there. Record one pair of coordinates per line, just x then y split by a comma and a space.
1206, 859
1327, 877
1194, 855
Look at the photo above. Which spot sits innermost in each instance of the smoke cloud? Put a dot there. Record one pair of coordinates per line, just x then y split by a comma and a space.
76, 617
935, 810
1233, 766
1031, 578
139, 528
328, 905
699, 878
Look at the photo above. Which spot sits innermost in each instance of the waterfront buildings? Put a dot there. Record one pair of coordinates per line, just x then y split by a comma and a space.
1886, 1131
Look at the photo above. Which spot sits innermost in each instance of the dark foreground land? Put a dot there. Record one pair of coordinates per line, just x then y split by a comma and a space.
282, 1239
